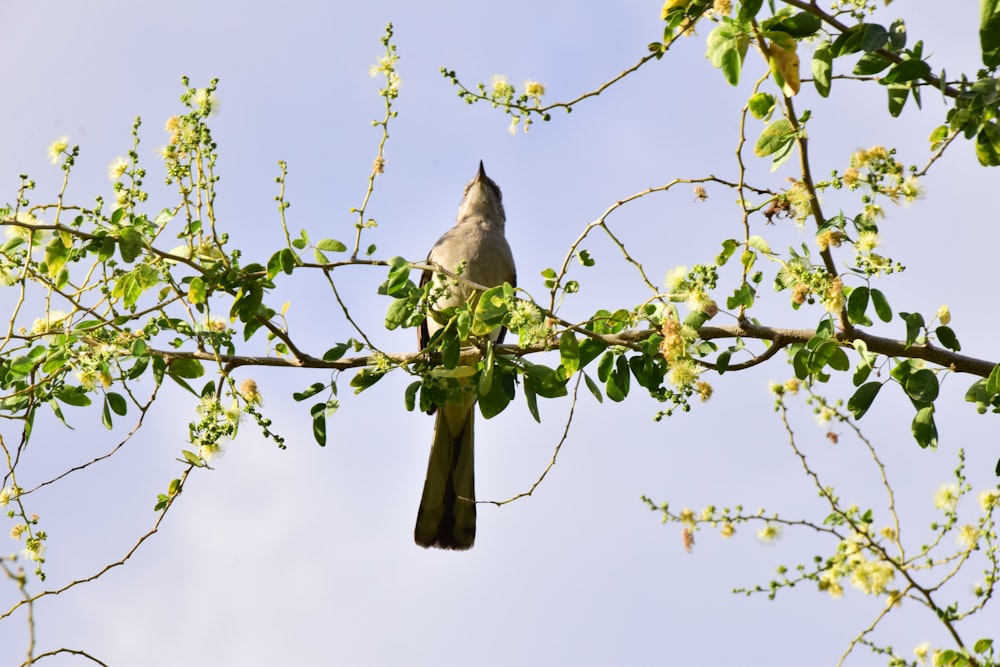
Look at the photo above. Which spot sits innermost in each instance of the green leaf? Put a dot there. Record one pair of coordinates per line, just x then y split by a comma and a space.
491, 309
802, 24
398, 282
486, 375
647, 372
288, 260
761, 105
861, 372
727, 46
159, 368
897, 35
775, 136
800, 363
410, 396
897, 98
977, 394
857, 304
914, 326
594, 389
76, 396
196, 290
331, 245
605, 365
742, 297
993, 381
924, 429
318, 412
829, 353
399, 312
365, 378
822, 68
106, 416
948, 338
532, 400
989, 32
117, 403
748, 10
56, 410
336, 352
274, 264
569, 352
983, 645
590, 349
186, 368
922, 386
56, 254
728, 247
499, 395
130, 243
882, 308
192, 458
988, 145
866, 37
545, 382
871, 63
908, 70
309, 391
617, 386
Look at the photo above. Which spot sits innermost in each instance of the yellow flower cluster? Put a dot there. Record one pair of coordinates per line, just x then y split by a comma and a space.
869, 576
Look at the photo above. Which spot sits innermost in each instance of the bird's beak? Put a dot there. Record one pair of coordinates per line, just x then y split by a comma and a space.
482, 172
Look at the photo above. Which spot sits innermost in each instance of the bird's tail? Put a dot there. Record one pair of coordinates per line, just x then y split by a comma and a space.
447, 515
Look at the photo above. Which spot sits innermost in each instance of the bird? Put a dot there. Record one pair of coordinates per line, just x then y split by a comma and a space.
477, 248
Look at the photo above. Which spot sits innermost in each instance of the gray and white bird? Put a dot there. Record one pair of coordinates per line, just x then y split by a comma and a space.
447, 515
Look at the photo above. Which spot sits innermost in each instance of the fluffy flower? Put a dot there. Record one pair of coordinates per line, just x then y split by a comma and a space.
385, 63
704, 390
117, 168
801, 202
968, 536
250, 392
34, 551
534, 89
770, 533
210, 451
868, 241
988, 499
911, 190
872, 577
724, 7
49, 323
682, 373
675, 278
7, 494
57, 148
851, 177
501, 87
206, 101
946, 497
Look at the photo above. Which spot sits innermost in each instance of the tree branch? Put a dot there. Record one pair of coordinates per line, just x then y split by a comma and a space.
779, 337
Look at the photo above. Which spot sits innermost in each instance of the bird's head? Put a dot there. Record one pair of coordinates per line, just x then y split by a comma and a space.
482, 200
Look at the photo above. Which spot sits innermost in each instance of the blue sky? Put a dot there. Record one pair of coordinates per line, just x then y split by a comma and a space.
305, 556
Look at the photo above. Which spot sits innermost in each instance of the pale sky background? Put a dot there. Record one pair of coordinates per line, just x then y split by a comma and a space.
305, 556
